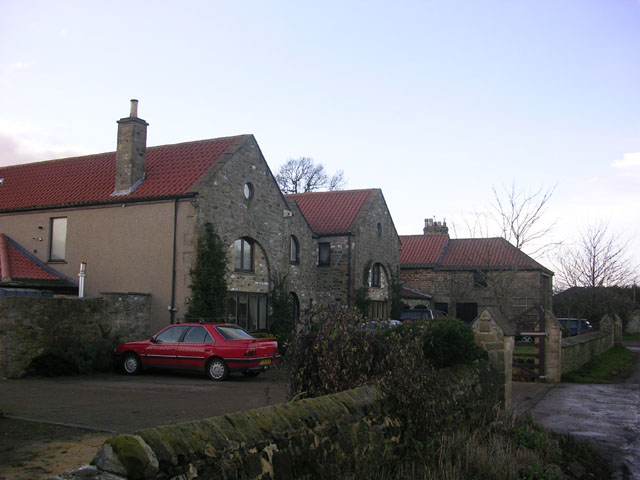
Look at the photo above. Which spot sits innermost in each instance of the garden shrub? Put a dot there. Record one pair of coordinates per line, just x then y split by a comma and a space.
448, 342
333, 353
74, 355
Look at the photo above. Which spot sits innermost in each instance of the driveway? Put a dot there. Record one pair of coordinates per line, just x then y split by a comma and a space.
606, 415
123, 404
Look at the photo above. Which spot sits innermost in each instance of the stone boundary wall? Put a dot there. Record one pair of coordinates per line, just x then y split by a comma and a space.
30, 326
579, 349
324, 437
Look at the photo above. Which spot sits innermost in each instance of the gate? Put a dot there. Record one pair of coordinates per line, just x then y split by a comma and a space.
528, 354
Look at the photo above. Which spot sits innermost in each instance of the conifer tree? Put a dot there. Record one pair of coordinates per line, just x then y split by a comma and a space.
208, 278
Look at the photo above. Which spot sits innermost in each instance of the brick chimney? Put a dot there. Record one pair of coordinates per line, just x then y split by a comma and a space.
431, 227
131, 152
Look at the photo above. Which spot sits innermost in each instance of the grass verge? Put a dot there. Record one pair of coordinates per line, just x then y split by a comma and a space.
613, 366
632, 336
513, 448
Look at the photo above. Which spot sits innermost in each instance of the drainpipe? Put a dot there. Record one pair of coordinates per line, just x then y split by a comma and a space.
81, 276
172, 307
349, 270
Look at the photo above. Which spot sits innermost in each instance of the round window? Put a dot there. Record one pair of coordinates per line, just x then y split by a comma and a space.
248, 190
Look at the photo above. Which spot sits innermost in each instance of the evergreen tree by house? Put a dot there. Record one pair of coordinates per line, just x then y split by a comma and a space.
281, 319
362, 300
208, 278
396, 296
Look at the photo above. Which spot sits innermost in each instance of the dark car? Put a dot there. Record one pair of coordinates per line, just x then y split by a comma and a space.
377, 325
216, 349
575, 326
418, 314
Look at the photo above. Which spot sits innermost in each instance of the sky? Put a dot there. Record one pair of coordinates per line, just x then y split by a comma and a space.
435, 102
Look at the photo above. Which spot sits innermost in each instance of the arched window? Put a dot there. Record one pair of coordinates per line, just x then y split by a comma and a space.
376, 275
243, 254
294, 250
295, 303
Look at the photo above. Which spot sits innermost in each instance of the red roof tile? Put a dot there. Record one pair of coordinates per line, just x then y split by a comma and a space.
442, 252
330, 212
486, 252
16, 264
171, 170
422, 249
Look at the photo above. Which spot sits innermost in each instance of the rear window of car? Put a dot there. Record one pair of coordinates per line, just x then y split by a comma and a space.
197, 335
233, 333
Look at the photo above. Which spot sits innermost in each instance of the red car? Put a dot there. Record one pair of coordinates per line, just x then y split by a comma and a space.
214, 348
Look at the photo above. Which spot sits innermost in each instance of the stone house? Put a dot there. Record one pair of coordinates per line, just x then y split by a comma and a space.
466, 276
357, 242
133, 216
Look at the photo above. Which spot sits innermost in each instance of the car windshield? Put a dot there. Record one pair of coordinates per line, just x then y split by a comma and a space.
231, 332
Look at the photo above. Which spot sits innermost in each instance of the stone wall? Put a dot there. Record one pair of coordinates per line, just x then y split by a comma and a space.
30, 326
324, 437
633, 325
579, 349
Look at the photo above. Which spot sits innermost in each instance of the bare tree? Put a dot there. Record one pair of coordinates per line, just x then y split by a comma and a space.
302, 175
519, 215
598, 259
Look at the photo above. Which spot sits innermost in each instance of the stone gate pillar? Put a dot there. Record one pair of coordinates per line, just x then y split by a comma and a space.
497, 337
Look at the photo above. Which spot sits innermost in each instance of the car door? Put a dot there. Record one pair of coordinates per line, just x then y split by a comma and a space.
195, 348
161, 352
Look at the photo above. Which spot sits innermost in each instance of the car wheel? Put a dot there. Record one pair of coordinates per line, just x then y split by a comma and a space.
217, 369
131, 364
251, 373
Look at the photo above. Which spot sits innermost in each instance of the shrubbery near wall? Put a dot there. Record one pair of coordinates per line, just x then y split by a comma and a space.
410, 364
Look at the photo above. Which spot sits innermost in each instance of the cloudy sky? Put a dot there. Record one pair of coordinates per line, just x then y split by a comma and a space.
436, 102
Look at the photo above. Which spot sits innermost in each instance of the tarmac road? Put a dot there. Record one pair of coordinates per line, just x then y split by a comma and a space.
606, 415
123, 404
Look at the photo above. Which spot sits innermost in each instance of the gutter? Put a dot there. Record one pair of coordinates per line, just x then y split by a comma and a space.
118, 201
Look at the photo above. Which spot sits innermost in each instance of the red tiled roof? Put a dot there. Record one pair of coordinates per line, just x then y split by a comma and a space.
442, 252
171, 170
485, 252
330, 212
422, 249
16, 265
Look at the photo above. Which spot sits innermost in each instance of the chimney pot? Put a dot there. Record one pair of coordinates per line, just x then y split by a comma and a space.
134, 108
